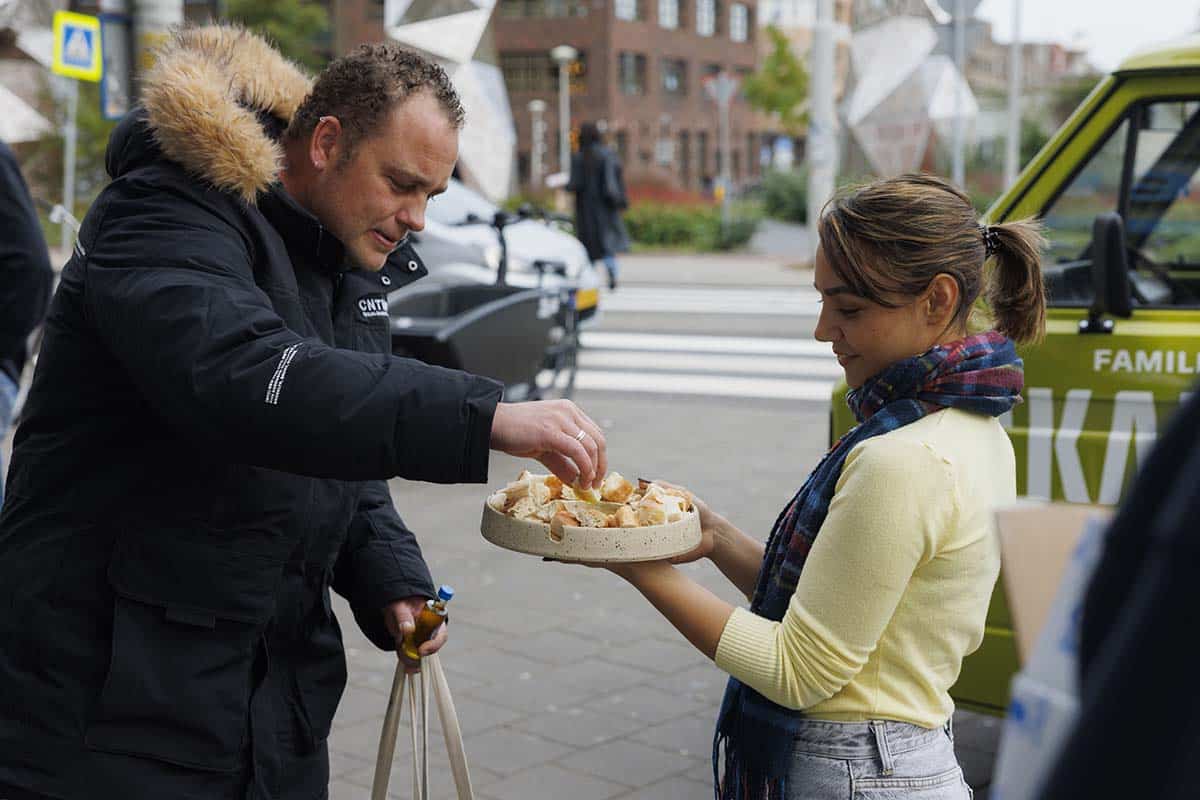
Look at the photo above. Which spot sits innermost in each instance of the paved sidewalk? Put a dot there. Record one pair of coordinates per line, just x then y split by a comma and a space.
567, 682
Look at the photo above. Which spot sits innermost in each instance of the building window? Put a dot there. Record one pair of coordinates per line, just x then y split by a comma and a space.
631, 73
630, 10
668, 14
537, 73
739, 22
542, 9
622, 146
674, 77
706, 17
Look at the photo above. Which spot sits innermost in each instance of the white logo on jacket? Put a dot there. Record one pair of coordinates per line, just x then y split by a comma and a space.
372, 306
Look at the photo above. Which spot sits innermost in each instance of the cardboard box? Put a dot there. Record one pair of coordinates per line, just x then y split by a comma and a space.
1036, 543
1048, 553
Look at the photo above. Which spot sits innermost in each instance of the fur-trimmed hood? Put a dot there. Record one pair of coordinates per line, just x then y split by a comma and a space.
204, 99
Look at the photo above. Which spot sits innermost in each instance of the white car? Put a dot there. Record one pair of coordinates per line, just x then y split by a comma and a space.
457, 253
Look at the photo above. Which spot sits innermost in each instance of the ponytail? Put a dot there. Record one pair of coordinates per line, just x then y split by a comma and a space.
1013, 284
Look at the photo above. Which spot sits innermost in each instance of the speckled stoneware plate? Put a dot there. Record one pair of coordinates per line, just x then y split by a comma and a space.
597, 545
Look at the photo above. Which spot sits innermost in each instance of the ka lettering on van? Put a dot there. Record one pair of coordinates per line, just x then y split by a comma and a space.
1055, 442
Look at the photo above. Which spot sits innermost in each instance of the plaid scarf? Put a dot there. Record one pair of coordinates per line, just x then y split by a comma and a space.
980, 373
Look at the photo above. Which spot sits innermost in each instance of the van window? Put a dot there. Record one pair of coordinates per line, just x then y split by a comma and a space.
1095, 189
1157, 193
1162, 223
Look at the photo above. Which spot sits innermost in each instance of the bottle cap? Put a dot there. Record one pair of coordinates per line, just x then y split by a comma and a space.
445, 592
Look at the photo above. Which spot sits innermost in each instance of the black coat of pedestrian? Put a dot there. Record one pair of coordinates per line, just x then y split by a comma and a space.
1136, 734
204, 454
25, 274
600, 198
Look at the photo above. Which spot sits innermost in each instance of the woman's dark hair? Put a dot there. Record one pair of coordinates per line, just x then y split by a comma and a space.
589, 134
889, 239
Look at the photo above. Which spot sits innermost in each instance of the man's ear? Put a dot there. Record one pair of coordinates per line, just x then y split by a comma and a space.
941, 301
324, 144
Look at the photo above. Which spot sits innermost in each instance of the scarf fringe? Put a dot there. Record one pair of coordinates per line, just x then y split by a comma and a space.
738, 780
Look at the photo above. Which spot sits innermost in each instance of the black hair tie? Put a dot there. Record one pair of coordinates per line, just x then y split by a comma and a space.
991, 239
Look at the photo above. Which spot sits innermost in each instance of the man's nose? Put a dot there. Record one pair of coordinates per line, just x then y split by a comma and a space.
412, 217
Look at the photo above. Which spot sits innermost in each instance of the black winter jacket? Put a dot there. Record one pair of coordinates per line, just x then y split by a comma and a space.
25, 274
203, 456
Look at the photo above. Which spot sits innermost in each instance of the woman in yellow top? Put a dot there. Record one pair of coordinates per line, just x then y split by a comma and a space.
875, 581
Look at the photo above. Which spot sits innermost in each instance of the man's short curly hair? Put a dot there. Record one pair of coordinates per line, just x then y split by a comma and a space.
361, 88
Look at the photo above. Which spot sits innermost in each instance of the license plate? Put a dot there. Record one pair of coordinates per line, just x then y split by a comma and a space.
586, 298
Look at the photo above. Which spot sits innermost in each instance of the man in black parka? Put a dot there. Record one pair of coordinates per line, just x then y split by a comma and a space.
211, 423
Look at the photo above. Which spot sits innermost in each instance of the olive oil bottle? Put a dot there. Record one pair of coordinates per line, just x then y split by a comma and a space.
431, 616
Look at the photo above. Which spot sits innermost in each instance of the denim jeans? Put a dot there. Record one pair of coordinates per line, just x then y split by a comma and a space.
610, 264
877, 760
8, 399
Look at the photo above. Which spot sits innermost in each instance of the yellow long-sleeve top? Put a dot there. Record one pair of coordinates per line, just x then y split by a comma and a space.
896, 587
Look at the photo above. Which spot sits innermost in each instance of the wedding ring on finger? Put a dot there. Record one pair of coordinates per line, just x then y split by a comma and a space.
580, 436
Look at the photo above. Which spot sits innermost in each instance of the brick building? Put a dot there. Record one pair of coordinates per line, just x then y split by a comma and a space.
640, 73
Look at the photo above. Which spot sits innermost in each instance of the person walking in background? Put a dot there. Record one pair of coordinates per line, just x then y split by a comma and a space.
25, 281
600, 198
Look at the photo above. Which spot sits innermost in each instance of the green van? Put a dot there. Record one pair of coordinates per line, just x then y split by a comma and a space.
1118, 188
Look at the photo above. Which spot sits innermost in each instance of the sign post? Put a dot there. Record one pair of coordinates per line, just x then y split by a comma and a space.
77, 57
722, 88
116, 84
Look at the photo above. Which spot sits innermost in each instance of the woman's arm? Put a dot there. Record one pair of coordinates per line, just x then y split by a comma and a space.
891, 500
738, 556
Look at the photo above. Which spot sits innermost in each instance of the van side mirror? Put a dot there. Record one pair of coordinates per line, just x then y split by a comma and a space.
1110, 275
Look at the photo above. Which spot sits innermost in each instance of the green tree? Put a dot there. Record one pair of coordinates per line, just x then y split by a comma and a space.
780, 86
1065, 97
1033, 139
299, 28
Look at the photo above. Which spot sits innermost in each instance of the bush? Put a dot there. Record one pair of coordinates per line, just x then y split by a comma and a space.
657, 225
691, 227
785, 195
743, 222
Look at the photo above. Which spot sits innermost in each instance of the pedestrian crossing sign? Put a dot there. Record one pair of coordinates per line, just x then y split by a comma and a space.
77, 46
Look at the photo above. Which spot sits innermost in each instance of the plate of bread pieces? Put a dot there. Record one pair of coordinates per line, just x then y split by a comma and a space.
623, 521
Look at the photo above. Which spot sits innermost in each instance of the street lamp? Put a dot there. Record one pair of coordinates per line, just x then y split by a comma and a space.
537, 142
563, 55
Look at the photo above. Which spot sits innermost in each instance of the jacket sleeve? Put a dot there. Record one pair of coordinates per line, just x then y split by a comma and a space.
25, 274
380, 562
171, 296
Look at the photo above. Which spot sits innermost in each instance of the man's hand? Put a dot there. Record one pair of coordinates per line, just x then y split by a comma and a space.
556, 433
398, 617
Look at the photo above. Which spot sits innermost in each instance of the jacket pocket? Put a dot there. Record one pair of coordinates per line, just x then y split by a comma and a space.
187, 622
320, 670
